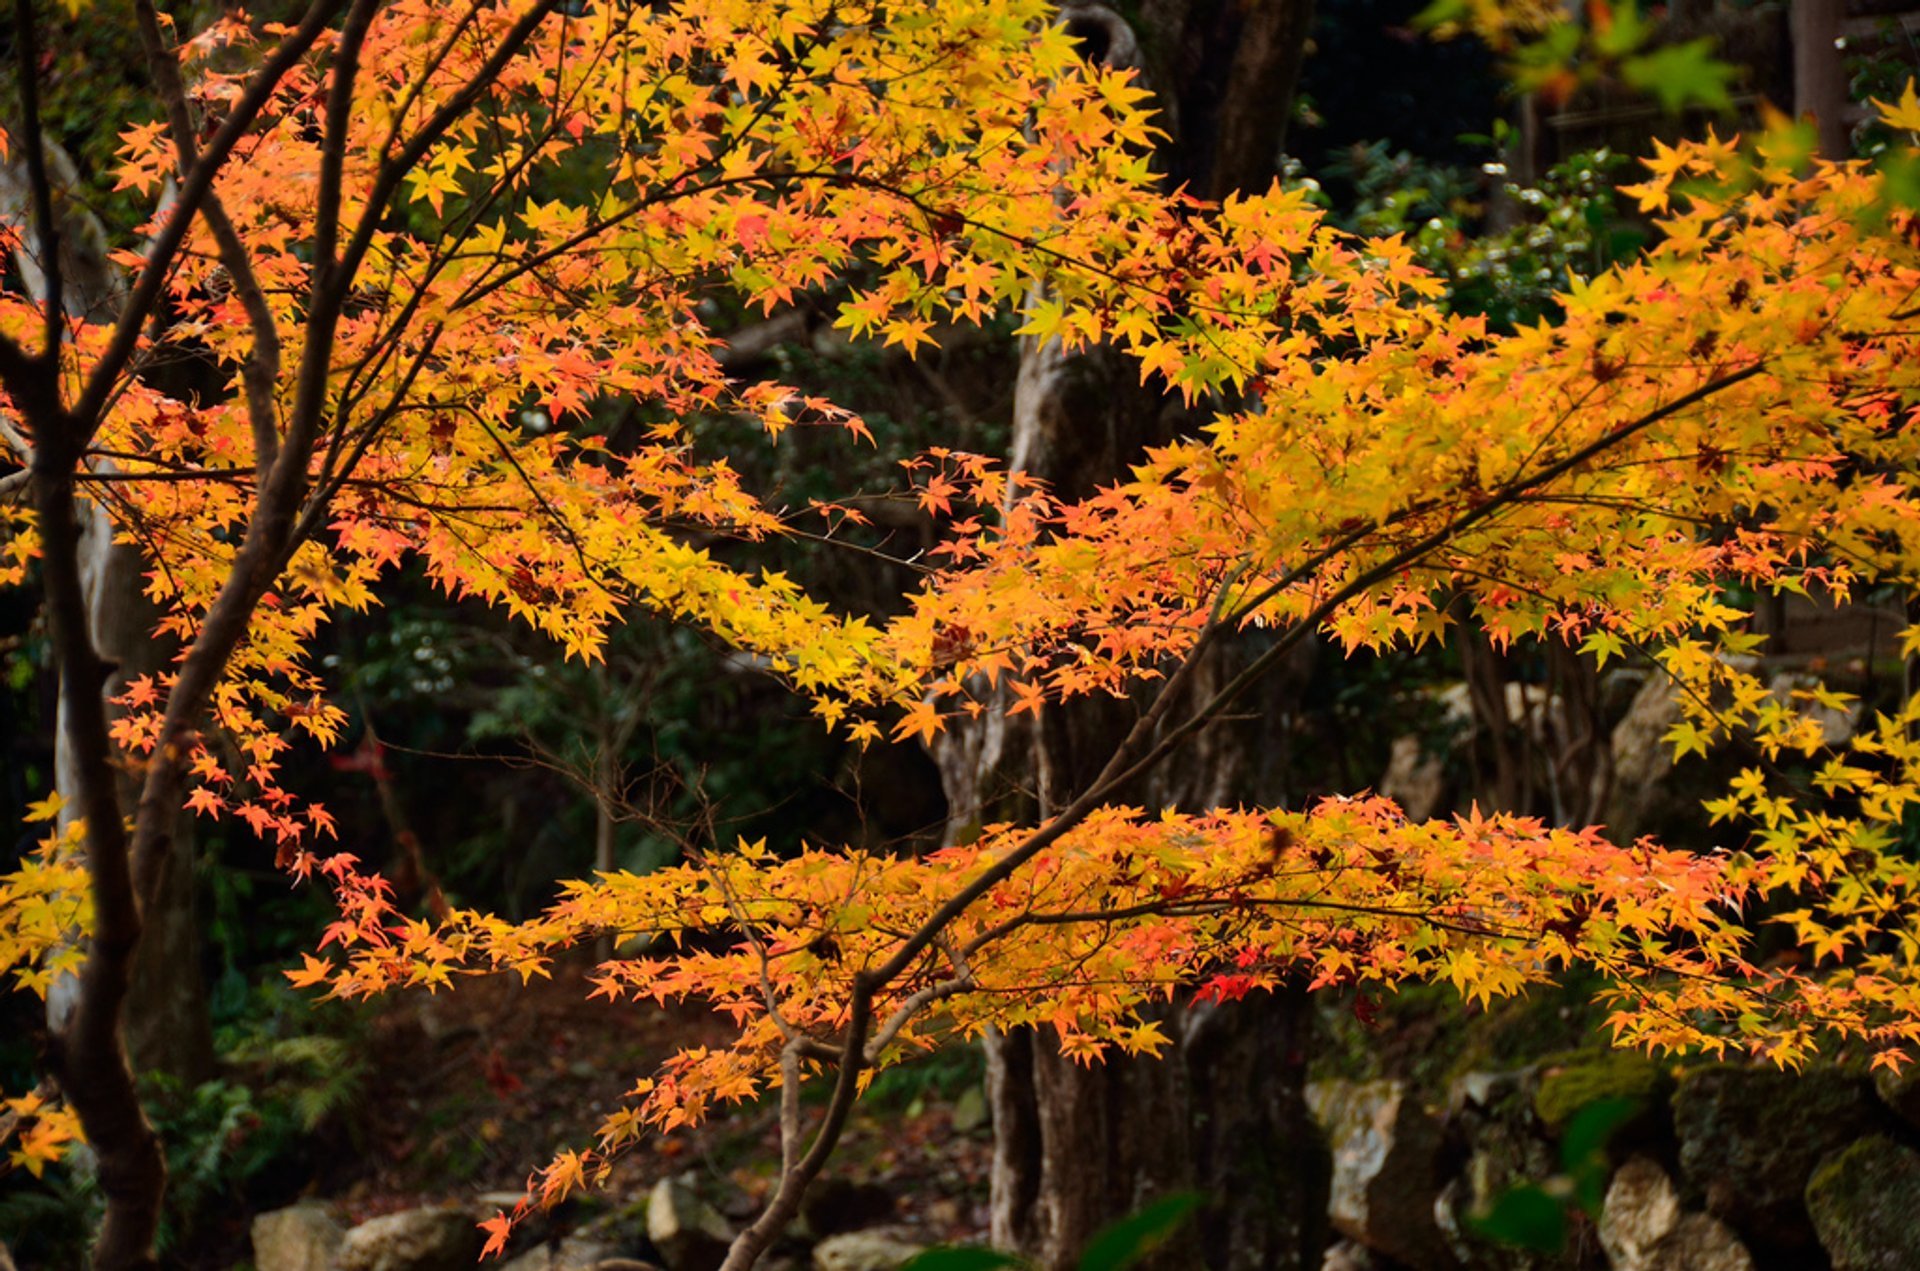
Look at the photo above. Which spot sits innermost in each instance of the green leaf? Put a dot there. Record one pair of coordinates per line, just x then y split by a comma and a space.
1439, 13
1526, 1218
1682, 75
1125, 1242
962, 1258
1900, 177
1589, 1129
1626, 31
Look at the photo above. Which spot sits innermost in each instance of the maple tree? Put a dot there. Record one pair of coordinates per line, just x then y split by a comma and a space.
365, 229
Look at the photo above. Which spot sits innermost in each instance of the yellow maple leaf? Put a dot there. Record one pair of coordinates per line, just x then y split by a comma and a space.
1904, 113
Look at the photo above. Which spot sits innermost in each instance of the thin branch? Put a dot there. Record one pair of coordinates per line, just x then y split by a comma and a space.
195, 185
261, 374
39, 183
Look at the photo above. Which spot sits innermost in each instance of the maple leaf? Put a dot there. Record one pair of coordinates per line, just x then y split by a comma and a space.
204, 802
922, 721
499, 1229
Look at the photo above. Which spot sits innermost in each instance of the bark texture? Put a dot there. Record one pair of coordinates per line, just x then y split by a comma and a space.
1222, 1111
167, 1026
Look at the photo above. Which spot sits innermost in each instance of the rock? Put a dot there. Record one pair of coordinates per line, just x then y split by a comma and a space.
876, 1249
1571, 1083
834, 1205
1900, 1091
1414, 779
970, 1110
690, 1234
1865, 1203
440, 1239
1345, 1255
1492, 1129
303, 1237
1642, 794
1749, 1141
571, 1254
1643, 1227
1836, 726
1385, 1151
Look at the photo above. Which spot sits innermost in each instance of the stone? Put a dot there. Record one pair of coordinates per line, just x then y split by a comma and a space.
1492, 1130
1414, 779
1570, 1084
302, 1237
1644, 1228
1865, 1204
1750, 1139
1385, 1169
690, 1234
1901, 1092
875, 1249
1345, 1255
437, 1239
970, 1110
1837, 726
1642, 761
574, 1253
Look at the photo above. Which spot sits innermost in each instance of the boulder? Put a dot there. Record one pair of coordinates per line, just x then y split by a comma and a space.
1385, 1169
1749, 1141
1865, 1203
438, 1239
1901, 1092
1837, 726
970, 1110
1644, 1228
1569, 1083
1642, 792
1345, 1255
876, 1249
690, 1234
303, 1237
575, 1253
1492, 1130
1414, 779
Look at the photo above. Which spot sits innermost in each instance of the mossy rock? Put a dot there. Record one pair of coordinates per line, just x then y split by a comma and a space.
1750, 1139
1569, 1083
1865, 1203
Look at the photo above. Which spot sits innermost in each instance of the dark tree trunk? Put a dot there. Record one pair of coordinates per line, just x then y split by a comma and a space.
1222, 1110
167, 1025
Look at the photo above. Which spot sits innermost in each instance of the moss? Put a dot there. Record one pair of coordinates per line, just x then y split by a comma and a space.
1571, 1082
1863, 1203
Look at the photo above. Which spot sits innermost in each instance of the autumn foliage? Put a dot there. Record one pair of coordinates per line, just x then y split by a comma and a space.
438, 233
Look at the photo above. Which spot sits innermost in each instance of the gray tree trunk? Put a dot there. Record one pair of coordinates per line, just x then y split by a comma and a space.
168, 1027
1222, 1111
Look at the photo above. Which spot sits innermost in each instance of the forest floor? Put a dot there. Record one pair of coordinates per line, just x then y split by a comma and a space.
471, 1090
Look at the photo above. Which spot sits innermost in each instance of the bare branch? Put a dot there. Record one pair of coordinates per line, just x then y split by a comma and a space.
195, 185
39, 184
261, 374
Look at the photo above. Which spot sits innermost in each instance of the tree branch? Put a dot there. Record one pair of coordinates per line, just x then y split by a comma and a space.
195, 186
261, 375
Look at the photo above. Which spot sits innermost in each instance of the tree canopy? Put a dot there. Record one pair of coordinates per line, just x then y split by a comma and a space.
422, 240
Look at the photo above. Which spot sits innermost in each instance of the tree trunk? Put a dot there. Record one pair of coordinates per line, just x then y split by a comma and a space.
1222, 1111
1819, 77
168, 1027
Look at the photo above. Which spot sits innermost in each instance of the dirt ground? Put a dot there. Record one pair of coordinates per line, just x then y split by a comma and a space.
471, 1090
